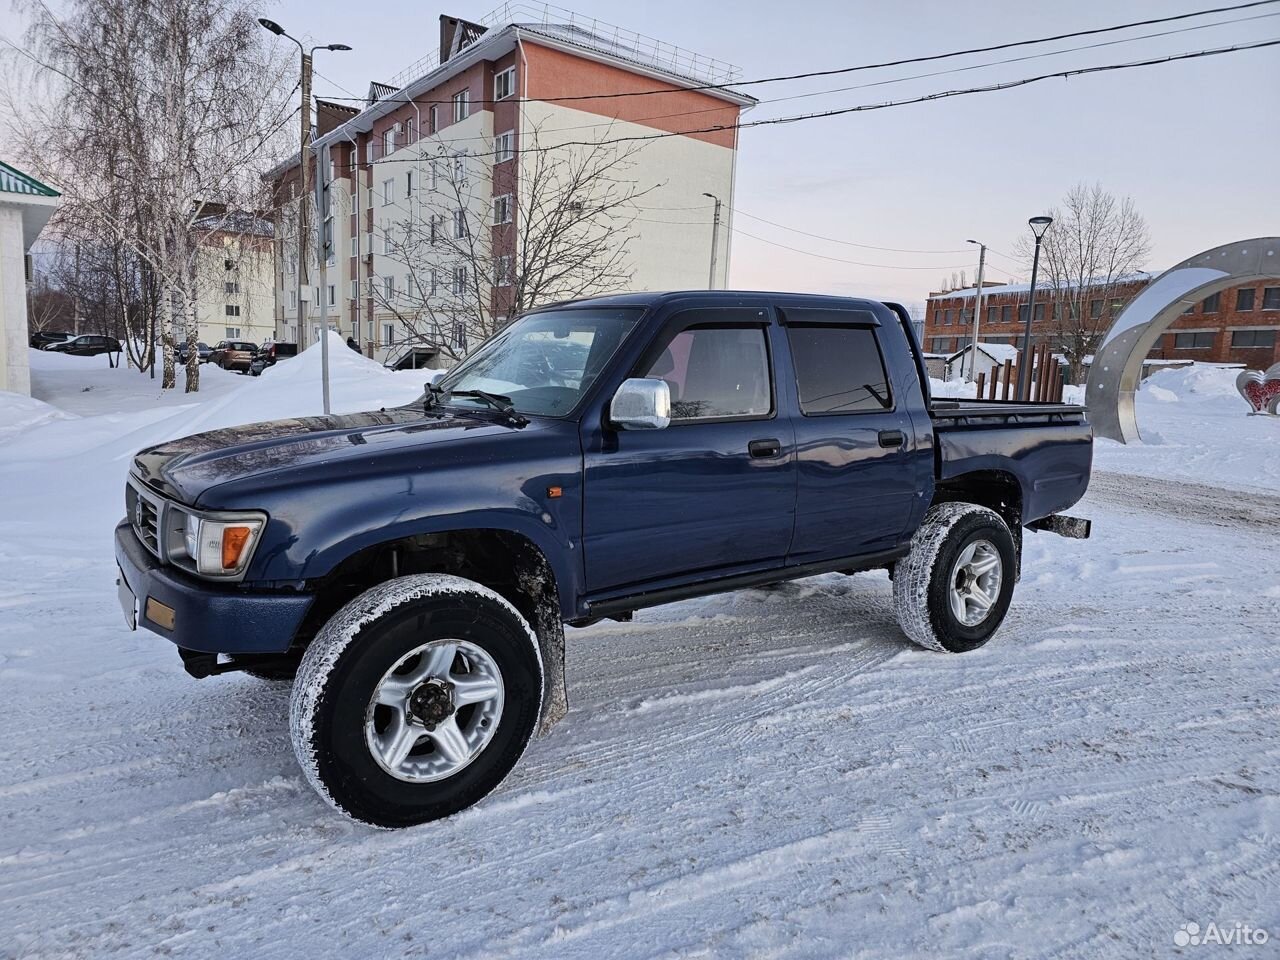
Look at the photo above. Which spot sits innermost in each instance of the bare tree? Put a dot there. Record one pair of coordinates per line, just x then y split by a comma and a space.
467, 260
1096, 243
150, 112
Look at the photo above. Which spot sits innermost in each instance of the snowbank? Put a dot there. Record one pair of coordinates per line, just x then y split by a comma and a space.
1196, 426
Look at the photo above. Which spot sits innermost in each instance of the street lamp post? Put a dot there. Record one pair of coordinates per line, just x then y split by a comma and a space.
304, 144
1038, 227
715, 236
977, 310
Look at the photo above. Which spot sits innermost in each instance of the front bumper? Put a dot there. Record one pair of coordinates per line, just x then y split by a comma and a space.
206, 617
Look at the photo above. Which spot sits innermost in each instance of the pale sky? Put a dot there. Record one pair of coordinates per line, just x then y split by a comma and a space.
1196, 144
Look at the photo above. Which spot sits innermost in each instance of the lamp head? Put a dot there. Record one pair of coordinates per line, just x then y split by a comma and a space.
1039, 225
272, 26
337, 46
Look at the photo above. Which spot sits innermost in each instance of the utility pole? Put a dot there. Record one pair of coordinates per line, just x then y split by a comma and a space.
977, 311
303, 144
1038, 227
715, 237
303, 147
324, 246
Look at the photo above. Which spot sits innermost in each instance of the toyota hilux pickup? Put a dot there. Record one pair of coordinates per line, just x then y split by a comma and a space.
411, 570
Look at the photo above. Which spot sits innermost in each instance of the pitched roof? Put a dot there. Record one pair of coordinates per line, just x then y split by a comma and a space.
999, 352
15, 181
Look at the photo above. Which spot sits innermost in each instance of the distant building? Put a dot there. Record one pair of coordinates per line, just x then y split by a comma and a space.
467, 113
1237, 325
235, 278
991, 357
26, 205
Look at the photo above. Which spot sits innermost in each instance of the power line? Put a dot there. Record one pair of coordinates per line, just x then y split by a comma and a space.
864, 108
856, 263
847, 243
860, 67
826, 92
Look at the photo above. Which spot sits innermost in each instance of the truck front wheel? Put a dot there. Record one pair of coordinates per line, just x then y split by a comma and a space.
416, 700
952, 591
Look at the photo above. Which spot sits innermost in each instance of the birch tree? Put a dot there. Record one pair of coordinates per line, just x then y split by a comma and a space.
149, 113
1097, 241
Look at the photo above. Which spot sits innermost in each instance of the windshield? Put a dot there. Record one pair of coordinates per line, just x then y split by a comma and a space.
544, 362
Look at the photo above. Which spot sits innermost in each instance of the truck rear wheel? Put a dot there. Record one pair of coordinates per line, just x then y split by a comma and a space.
416, 700
953, 589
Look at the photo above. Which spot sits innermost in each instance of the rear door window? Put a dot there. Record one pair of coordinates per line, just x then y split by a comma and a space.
839, 369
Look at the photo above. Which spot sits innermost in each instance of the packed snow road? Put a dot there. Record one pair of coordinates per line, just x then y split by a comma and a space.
769, 773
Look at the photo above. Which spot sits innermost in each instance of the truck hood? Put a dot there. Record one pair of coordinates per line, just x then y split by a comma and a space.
187, 469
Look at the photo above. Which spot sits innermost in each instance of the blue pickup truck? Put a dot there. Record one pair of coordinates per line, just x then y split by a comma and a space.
411, 570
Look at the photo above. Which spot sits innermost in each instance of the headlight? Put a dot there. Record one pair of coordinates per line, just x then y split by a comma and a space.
220, 547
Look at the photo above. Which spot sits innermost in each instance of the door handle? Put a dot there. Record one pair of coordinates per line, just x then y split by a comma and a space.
764, 449
892, 438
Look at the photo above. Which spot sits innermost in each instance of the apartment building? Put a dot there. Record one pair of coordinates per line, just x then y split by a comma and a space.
235, 278
1237, 325
444, 180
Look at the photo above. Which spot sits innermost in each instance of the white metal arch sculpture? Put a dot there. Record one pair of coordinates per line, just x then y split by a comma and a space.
1117, 364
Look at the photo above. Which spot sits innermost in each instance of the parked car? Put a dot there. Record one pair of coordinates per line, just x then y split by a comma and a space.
42, 338
202, 351
412, 568
233, 354
87, 345
269, 354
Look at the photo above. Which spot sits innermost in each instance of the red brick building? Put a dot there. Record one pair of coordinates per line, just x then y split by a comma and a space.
1238, 325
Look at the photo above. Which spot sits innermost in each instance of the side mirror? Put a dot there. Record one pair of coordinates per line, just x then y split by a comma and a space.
641, 404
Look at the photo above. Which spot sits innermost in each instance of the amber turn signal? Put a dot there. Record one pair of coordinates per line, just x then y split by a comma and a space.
233, 543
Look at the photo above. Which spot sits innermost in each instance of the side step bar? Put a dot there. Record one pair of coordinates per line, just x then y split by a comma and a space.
1063, 526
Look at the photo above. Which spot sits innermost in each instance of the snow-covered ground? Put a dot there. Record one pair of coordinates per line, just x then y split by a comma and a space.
768, 773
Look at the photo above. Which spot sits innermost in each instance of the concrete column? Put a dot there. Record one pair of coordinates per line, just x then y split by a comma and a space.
15, 373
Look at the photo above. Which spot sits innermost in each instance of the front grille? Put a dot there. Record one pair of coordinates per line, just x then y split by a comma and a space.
145, 512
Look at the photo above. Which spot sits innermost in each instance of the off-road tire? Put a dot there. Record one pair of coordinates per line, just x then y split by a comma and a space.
922, 580
349, 657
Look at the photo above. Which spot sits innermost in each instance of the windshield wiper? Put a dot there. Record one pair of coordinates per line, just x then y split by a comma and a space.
497, 401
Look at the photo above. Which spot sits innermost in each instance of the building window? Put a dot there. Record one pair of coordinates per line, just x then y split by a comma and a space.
233, 310
233, 333
434, 224
291, 265
388, 192
293, 299
333, 295
1253, 338
388, 142
1211, 303
504, 146
388, 287
389, 334
1271, 298
411, 131
1006, 314
459, 224
434, 279
435, 175
408, 184
459, 169
355, 289
1193, 341
992, 313
355, 245
433, 124
504, 83
502, 272
502, 209
459, 281
461, 105
1095, 309
1244, 300
232, 287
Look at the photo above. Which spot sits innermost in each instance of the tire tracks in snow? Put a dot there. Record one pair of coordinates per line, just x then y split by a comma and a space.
1184, 500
